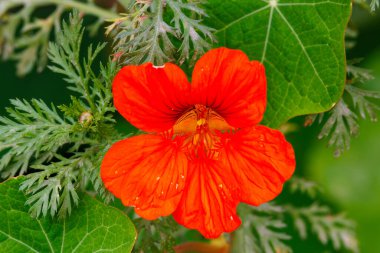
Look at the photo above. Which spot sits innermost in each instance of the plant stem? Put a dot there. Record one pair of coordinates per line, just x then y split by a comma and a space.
83, 7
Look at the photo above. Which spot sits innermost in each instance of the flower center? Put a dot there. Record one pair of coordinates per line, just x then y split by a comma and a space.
202, 127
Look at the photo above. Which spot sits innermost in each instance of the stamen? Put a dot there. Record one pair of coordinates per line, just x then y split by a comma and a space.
199, 126
201, 121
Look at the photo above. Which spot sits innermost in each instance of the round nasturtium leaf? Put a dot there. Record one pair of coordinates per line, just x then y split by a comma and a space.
92, 226
300, 43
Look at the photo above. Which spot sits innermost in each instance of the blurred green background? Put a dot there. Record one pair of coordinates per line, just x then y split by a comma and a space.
351, 183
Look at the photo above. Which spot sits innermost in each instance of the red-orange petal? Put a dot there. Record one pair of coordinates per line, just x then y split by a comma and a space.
225, 80
147, 172
261, 160
208, 203
151, 98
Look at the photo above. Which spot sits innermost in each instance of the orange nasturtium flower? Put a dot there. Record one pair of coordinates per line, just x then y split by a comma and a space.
203, 152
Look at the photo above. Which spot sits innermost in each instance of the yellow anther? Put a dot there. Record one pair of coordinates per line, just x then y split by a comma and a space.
201, 121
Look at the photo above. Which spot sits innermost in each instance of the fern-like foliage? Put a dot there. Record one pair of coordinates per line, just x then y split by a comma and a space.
32, 135
340, 124
303, 186
374, 4
29, 45
32, 42
157, 31
265, 228
65, 57
261, 231
156, 236
61, 148
145, 33
361, 101
318, 219
371, 5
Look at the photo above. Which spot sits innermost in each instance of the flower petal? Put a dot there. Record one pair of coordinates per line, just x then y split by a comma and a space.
261, 160
147, 172
230, 84
151, 98
208, 203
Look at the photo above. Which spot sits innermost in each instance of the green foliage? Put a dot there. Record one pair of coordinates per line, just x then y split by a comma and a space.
328, 228
303, 186
319, 219
360, 99
60, 148
261, 230
374, 4
155, 236
33, 134
66, 60
341, 123
92, 227
29, 45
352, 182
144, 34
155, 31
264, 228
368, 4
304, 59
65, 151
32, 42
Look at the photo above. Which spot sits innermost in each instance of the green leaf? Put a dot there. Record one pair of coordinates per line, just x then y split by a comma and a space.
300, 42
262, 230
92, 227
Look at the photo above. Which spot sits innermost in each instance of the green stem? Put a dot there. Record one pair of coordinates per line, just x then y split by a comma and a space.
83, 7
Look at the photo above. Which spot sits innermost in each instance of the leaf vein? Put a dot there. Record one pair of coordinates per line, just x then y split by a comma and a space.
267, 35
18, 241
63, 235
243, 17
47, 238
309, 4
302, 47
